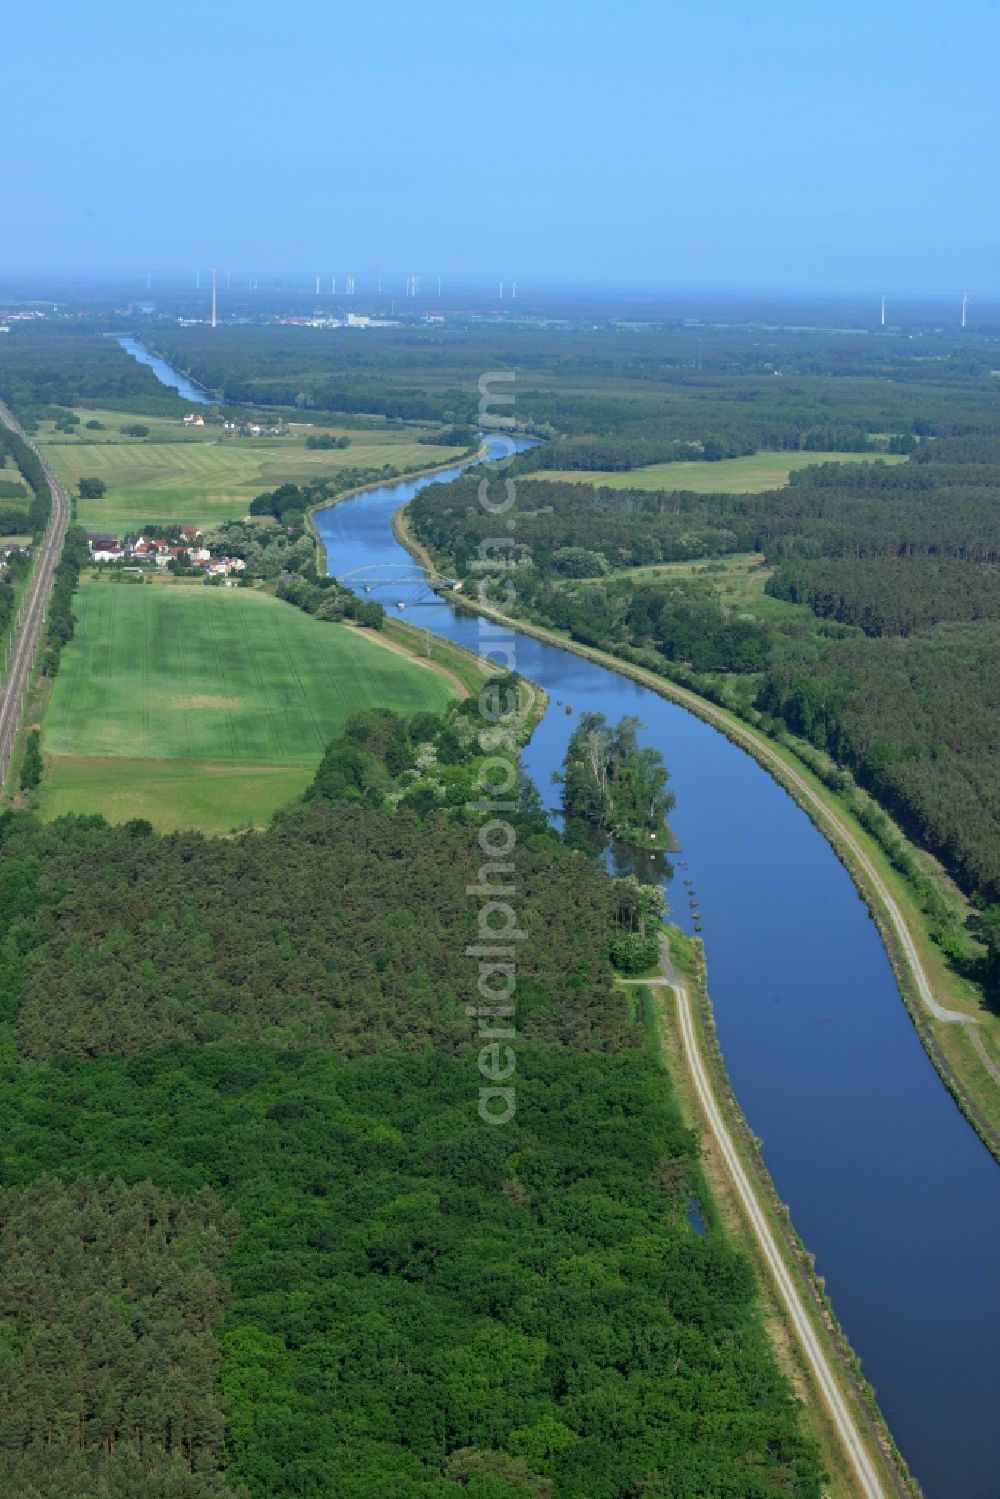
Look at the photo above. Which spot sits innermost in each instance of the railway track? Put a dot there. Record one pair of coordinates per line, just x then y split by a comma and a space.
31, 615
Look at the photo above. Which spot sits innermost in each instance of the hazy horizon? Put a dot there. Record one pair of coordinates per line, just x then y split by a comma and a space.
482, 285
755, 148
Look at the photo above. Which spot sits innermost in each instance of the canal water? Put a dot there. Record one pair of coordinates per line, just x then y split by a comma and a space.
887, 1184
166, 373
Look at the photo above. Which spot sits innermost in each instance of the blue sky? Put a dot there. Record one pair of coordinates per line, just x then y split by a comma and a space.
727, 143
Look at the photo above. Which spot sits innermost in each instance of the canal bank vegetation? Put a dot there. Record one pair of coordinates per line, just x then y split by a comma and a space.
726, 1212
851, 619
861, 617
466, 668
964, 1045
253, 1057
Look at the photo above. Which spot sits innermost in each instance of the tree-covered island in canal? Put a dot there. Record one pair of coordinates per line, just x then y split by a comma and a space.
614, 784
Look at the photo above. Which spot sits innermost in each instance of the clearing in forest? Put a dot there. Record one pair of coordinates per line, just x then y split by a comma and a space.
752, 475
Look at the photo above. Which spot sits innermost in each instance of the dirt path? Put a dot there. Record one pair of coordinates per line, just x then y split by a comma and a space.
868, 1483
377, 638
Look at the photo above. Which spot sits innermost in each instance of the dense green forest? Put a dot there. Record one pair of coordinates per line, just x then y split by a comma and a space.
62, 365
918, 719
612, 397
890, 596
109, 1295
250, 1211
19, 514
148, 954
854, 511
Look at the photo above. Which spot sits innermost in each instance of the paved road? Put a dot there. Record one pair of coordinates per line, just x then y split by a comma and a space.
32, 612
809, 1341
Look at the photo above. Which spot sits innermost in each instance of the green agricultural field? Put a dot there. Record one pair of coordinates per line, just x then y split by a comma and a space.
202, 477
208, 707
161, 429
730, 476
171, 793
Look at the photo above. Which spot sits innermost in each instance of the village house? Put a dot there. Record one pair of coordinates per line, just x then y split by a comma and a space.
221, 567
166, 555
193, 420
248, 428
104, 547
156, 549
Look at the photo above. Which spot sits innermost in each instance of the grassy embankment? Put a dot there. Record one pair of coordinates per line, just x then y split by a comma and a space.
200, 476
722, 1210
208, 707
752, 475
